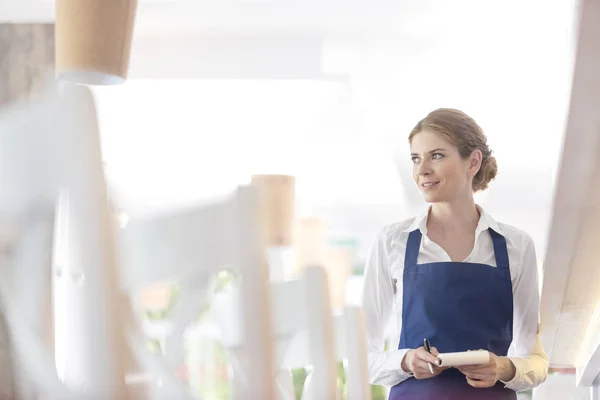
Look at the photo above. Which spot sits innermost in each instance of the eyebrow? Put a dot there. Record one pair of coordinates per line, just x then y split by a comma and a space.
430, 152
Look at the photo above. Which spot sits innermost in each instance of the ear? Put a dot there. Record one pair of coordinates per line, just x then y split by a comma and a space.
475, 162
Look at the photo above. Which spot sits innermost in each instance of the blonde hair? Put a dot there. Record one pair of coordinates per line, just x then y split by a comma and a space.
462, 131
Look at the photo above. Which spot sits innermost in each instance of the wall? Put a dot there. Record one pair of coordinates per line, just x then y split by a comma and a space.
560, 387
26, 52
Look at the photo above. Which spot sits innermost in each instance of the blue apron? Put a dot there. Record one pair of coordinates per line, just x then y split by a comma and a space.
457, 306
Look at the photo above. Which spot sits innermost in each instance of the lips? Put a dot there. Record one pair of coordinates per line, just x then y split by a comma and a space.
428, 185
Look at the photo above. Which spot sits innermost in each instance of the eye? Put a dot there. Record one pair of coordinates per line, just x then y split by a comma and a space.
437, 156
415, 160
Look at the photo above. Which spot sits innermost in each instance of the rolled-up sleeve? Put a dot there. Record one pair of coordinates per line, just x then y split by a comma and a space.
526, 353
378, 305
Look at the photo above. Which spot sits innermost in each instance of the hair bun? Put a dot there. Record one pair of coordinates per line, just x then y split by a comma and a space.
486, 173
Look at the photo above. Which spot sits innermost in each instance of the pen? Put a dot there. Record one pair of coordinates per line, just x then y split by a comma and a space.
428, 349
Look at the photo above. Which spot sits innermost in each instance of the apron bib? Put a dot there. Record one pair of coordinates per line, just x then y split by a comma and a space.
457, 306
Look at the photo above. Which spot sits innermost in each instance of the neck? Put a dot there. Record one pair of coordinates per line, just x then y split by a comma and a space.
460, 215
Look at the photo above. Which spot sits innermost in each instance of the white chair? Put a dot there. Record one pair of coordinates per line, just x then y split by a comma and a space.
52, 148
354, 351
305, 334
54, 151
51, 151
350, 348
298, 305
192, 246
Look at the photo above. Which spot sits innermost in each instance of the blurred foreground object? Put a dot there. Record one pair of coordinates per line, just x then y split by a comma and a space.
51, 150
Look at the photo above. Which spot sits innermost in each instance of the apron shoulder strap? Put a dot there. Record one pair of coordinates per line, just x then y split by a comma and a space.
500, 249
413, 245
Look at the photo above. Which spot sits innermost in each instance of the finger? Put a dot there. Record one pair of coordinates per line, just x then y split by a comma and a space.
421, 370
425, 356
469, 372
475, 368
424, 365
476, 375
417, 365
421, 373
434, 351
479, 384
486, 370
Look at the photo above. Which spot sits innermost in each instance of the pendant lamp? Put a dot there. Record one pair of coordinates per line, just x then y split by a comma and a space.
93, 40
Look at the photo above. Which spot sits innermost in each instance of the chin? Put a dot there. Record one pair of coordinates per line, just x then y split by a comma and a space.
432, 198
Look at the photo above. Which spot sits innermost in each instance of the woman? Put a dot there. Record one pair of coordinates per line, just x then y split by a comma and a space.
454, 276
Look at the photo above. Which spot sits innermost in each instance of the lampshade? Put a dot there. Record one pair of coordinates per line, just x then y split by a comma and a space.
93, 40
277, 208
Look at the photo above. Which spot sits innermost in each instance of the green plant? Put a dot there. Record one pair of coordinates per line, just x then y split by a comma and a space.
299, 376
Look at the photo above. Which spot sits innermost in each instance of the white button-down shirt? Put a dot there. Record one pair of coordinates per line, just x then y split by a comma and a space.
382, 297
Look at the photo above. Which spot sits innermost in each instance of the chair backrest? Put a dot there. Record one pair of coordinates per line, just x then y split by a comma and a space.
350, 348
304, 334
181, 245
290, 311
192, 246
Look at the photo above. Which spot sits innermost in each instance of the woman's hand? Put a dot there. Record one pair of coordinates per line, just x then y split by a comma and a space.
417, 361
486, 375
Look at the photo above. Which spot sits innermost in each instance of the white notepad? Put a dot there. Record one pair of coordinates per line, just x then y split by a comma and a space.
463, 358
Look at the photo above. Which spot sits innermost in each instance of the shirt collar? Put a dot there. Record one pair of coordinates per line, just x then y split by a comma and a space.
420, 222
485, 222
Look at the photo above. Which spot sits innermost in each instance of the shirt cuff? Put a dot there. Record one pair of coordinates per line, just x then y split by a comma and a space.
395, 362
516, 382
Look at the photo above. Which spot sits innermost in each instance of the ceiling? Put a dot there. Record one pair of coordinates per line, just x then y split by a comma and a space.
411, 17
279, 15
294, 89
342, 81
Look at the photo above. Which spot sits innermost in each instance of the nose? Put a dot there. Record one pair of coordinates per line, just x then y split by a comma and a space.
423, 169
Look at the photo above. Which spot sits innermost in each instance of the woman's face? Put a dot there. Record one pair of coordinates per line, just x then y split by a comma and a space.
439, 171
